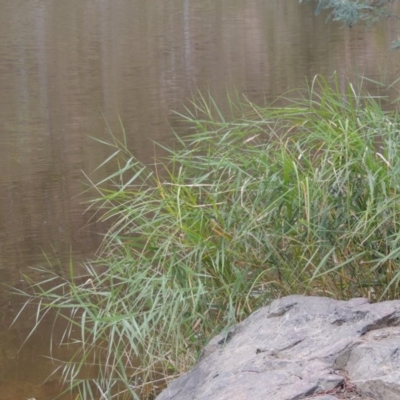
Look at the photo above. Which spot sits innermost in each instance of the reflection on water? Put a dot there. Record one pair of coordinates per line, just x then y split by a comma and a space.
67, 67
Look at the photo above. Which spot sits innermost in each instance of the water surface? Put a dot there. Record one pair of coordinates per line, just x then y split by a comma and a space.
69, 69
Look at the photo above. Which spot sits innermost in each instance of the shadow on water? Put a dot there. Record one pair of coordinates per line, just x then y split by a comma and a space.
27, 373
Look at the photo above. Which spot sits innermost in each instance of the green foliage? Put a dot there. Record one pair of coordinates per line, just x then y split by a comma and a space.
297, 199
351, 12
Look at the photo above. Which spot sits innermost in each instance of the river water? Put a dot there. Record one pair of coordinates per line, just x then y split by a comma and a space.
69, 69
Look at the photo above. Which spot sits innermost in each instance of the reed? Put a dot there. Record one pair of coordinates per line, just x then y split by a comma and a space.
302, 198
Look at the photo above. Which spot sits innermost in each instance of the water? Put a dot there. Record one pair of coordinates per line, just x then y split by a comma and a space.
70, 68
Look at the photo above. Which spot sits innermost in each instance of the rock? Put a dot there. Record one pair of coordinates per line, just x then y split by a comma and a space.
301, 348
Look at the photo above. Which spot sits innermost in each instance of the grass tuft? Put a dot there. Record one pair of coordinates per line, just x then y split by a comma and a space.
296, 199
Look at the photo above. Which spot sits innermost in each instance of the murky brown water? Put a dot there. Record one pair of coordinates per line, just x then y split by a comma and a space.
66, 67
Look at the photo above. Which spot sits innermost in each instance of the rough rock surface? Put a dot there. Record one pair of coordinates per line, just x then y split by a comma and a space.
301, 348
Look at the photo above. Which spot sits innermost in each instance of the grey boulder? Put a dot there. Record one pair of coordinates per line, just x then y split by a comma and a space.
301, 347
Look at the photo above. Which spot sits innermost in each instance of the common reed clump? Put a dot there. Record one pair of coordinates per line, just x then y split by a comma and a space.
296, 199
